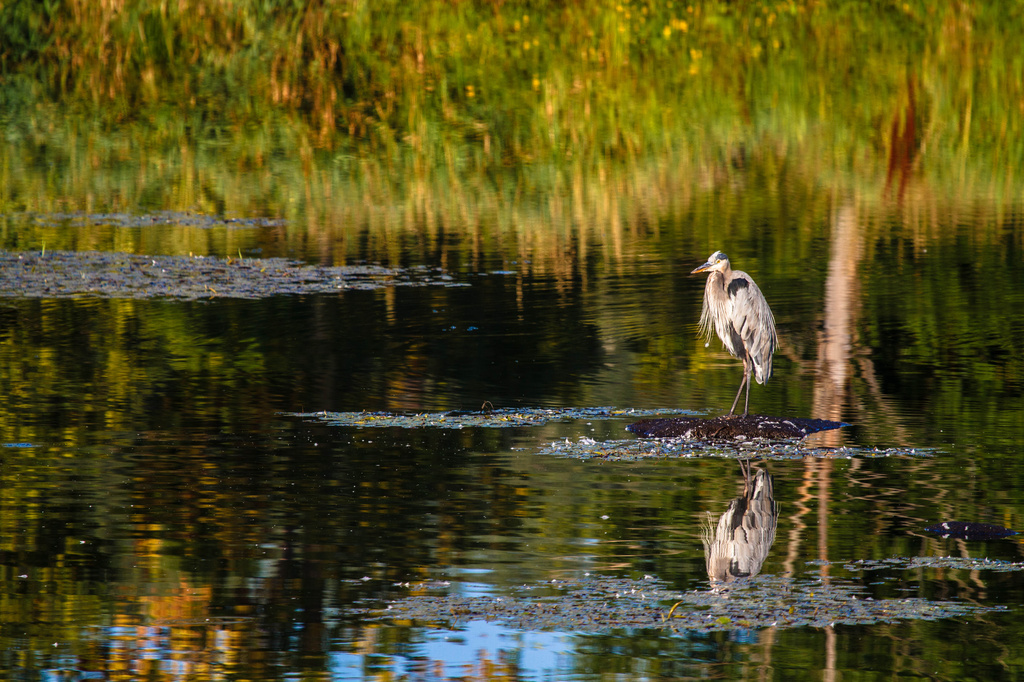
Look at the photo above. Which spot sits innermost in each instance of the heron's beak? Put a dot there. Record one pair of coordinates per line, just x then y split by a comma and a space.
701, 268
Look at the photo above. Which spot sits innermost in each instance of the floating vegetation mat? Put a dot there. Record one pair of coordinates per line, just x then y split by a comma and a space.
172, 218
630, 449
729, 427
934, 562
62, 274
742, 448
600, 604
485, 418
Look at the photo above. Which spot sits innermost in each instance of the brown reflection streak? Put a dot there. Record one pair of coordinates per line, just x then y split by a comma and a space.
815, 471
833, 371
797, 519
903, 144
829, 673
824, 469
764, 668
840, 355
835, 340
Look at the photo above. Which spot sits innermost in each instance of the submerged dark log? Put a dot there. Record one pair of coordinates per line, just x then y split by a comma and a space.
731, 426
965, 530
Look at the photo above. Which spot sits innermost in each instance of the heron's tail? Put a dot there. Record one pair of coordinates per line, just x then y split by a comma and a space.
763, 369
762, 348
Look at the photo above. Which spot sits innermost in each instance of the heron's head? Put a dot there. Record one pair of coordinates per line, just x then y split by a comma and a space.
716, 262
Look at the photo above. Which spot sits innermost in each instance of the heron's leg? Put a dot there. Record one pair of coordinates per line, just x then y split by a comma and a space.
746, 403
746, 380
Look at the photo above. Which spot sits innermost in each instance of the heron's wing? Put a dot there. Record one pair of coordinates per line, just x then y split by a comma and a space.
753, 322
715, 315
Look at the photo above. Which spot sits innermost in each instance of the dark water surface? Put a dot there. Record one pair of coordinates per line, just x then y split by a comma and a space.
163, 517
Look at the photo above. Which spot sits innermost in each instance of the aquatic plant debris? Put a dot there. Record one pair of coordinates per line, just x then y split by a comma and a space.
933, 562
498, 418
64, 274
740, 448
175, 218
609, 450
727, 427
597, 604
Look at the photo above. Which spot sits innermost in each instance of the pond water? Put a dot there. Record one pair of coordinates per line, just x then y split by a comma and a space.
174, 509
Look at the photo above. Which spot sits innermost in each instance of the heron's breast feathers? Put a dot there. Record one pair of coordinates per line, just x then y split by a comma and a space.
739, 314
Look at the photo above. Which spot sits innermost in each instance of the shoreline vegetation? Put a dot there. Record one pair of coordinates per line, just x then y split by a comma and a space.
506, 122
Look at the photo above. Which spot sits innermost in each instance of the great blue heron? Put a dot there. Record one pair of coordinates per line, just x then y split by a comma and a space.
736, 310
737, 544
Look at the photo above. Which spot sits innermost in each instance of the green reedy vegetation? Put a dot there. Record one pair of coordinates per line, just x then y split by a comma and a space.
471, 85
529, 129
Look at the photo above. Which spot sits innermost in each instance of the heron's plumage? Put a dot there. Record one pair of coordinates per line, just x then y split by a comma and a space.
738, 544
736, 310
754, 323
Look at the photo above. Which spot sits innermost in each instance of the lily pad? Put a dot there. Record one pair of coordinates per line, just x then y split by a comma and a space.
64, 274
499, 418
596, 604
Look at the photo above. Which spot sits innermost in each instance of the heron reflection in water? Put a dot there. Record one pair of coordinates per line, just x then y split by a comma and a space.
735, 309
738, 544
